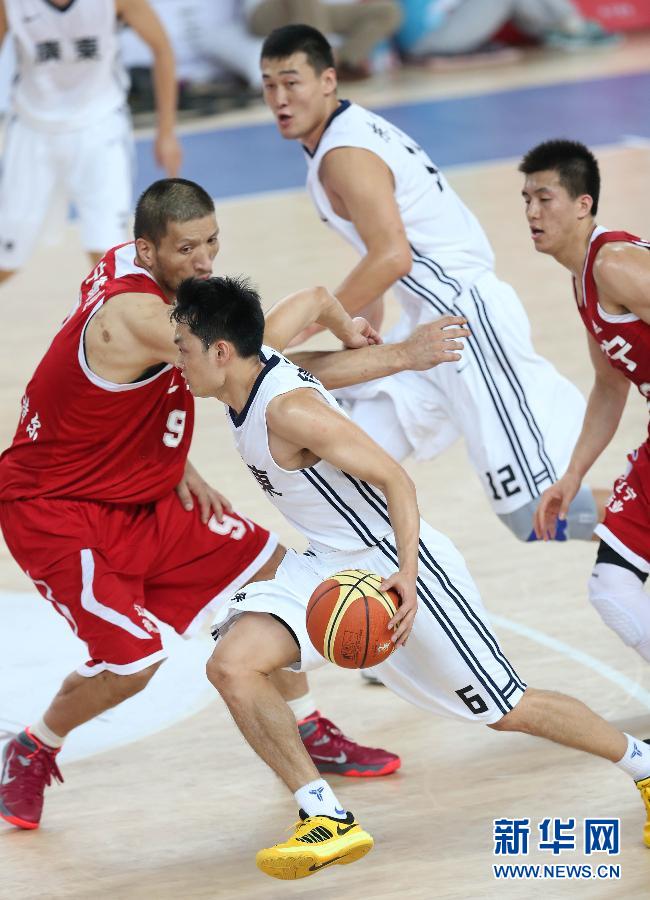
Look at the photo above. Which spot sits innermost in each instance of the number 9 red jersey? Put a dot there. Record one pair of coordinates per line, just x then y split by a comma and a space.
84, 438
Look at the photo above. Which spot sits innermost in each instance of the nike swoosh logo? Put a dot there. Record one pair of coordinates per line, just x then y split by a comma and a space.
328, 863
5, 771
340, 830
341, 758
173, 388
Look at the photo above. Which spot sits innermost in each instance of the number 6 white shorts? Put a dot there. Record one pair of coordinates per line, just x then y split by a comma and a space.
451, 665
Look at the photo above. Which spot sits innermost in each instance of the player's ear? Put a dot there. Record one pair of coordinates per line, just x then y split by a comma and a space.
223, 350
145, 250
585, 203
329, 81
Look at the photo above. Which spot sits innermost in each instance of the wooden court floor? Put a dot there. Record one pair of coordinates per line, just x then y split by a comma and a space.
181, 814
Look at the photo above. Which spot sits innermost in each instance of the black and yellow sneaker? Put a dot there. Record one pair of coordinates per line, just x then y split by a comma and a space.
317, 843
644, 790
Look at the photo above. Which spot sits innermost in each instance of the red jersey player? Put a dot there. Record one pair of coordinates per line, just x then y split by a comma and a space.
90, 490
611, 279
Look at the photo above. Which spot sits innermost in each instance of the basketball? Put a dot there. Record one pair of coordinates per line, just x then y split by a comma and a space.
347, 619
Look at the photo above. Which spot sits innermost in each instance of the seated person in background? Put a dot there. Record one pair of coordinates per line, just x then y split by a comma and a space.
361, 26
449, 27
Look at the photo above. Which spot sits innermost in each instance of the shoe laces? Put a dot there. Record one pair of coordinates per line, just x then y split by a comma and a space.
331, 730
43, 767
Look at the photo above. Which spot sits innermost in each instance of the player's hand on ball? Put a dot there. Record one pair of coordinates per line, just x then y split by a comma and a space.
436, 342
402, 622
361, 334
210, 500
554, 504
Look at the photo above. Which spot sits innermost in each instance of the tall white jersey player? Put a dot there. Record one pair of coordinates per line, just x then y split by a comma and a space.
379, 190
69, 125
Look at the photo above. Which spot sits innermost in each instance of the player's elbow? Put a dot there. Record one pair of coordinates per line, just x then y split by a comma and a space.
400, 262
399, 483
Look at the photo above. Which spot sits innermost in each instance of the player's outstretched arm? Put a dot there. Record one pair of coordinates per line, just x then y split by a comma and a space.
428, 346
622, 275
303, 420
363, 189
292, 314
604, 411
144, 21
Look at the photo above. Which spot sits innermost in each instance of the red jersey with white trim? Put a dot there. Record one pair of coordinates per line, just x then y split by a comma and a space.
624, 339
81, 437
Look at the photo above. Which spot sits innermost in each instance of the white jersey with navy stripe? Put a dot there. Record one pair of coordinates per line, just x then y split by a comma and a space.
332, 509
69, 72
453, 664
449, 248
519, 417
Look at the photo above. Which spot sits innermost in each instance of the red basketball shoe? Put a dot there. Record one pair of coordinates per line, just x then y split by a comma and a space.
333, 753
28, 767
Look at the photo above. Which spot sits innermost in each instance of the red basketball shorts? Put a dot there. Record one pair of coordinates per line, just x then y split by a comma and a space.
104, 567
626, 527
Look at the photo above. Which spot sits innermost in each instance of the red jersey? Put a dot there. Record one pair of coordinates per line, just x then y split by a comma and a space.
624, 339
81, 437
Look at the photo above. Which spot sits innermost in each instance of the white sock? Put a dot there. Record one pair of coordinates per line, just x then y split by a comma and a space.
302, 706
318, 799
636, 759
42, 733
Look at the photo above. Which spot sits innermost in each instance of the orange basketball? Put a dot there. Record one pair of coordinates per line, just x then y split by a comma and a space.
347, 619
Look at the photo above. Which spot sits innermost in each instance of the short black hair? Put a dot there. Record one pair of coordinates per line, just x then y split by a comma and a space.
290, 39
575, 164
169, 200
221, 309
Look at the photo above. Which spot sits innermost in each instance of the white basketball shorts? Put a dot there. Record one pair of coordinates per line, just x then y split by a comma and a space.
519, 417
93, 169
452, 664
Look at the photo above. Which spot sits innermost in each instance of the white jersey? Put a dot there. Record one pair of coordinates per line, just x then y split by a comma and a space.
69, 74
452, 664
449, 248
332, 509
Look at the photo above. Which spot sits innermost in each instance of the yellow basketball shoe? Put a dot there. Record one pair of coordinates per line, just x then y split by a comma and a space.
317, 842
644, 790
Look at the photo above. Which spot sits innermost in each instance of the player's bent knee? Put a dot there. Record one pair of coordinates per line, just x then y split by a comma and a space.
121, 687
582, 518
520, 716
617, 594
520, 521
220, 671
256, 644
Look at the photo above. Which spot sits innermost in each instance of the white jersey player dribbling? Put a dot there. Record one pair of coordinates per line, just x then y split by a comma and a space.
520, 418
452, 664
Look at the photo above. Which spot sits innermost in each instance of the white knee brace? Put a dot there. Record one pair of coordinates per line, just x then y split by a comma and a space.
618, 596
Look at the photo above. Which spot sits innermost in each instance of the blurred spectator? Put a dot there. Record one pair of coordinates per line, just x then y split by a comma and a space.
360, 26
216, 55
68, 133
446, 27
